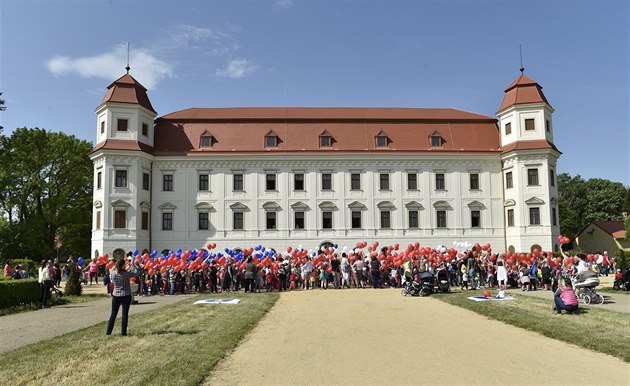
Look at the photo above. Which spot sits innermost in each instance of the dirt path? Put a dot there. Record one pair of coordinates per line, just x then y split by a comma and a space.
378, 337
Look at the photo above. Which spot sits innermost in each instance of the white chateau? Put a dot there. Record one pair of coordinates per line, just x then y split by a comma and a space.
287, 176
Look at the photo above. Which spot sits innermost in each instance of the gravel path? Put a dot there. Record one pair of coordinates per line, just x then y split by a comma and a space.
18, 330
379, 337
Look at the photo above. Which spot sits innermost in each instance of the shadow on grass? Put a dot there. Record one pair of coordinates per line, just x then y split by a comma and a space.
143, 303
169, 332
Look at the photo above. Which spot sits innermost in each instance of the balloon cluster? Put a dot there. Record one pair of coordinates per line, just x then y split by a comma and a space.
563, 239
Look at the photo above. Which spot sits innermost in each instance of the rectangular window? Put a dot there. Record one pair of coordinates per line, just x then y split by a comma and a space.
532, 177
326, 181
167, 221
99, 180
441, 218
552, 177
98, 220
145, 129
356, 219
436, 141
509, 182
298, 181
102, 127
530, 124
510, 217
206, 141
385, 219
271, 141
474, 181
508, 128
270, 182
554, 218
271, 220
120, 219
325, 141
121, 179
237, 183
413, 219
145, 221
534, 216
204, 182
122, 125
355, 181
412, 181
475, 218
381, 141
547, 127
299, 220
327, 222
440, 183
204, 223
384, 181
145, 181
167, 182
238, 221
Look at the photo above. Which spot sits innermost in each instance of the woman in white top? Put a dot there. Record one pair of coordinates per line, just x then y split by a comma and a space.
501, 278
45, 283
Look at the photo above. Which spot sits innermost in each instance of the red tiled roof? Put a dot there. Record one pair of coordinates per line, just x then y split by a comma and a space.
123, 144
522, 91
353, 130
530, 145
128, 90
615, 228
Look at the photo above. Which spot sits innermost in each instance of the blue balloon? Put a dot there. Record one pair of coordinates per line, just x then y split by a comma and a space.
80, 261
336, 246
136, 252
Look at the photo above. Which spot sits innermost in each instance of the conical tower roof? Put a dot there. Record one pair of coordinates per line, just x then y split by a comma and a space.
128, 90
522, 91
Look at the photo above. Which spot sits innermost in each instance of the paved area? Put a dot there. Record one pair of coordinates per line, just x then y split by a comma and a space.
365, 337
21, 329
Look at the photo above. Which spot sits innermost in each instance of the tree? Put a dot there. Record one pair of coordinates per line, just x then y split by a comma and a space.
73, 286
626, 201
45, 193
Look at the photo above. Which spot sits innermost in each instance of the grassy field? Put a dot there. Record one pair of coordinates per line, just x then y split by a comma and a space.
612, 291
174, 345
593, 328
54, 301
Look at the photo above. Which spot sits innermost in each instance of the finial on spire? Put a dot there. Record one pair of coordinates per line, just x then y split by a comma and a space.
128, 68
522, 69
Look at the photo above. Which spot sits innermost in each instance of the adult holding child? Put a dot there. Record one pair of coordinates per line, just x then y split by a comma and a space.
121, 295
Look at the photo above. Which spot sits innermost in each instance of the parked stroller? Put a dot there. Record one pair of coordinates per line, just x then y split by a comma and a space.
427, 283
585, 284
622, 282
411, 288
443, 280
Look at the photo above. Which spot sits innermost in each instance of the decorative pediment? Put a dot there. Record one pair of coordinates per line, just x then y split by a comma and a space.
414, 205
476, 205
327, 205
442, 205
509, 202
98, 204
534, 201
120, 204
356, 205
271, 206
299, 206
238, 206
167, 206
386, 205
204, 205
145, 205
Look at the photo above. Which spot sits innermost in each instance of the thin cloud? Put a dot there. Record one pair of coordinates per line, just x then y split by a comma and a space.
146, 67
237, 68
283, 4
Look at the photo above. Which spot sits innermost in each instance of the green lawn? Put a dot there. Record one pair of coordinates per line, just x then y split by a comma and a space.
174, 345
54, 301
612, 291
591, 327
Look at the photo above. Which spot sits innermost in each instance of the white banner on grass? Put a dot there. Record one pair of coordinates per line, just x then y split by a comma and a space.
218, 301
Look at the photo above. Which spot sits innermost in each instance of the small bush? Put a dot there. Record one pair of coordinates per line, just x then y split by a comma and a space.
15, 292
622, 259
28, 264
73, 286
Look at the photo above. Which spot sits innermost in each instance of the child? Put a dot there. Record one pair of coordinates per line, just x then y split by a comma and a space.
323, 279
292, 279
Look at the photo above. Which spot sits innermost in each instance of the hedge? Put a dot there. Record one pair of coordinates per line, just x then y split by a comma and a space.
15, 292
30, 265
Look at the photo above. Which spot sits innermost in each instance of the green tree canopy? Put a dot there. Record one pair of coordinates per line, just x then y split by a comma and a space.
45, 193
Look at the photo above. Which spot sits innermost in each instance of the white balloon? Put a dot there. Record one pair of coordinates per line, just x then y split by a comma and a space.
345, 247
455, 243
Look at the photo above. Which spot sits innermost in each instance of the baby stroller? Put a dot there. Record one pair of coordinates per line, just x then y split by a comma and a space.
443, 280
427, 282
411, 288
623, 283
585, 284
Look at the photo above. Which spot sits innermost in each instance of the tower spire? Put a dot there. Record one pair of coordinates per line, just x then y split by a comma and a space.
522, 69
128, 68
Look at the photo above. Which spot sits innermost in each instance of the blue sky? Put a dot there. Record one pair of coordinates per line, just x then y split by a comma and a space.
58, 57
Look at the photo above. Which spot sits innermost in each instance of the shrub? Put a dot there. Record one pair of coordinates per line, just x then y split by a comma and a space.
73, 286
28, 264
622, 259
15, 292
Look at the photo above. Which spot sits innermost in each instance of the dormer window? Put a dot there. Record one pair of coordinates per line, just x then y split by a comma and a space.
271, 139
382, 140
436, 141
206, 140
325, 140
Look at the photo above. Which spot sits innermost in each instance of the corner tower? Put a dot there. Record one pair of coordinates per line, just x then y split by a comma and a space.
529, 160
122, 168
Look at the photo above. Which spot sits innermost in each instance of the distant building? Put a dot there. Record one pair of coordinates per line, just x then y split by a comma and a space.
600, 236
287, 176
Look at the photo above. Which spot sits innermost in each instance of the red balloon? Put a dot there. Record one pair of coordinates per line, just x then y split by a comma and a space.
110, 265
133, 279
148, 283
487, 293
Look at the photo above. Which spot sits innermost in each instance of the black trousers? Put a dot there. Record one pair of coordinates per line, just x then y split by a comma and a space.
117, 301
44, 292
